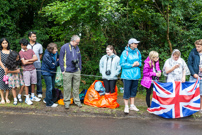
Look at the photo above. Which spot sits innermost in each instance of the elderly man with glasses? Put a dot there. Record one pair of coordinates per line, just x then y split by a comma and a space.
70, 64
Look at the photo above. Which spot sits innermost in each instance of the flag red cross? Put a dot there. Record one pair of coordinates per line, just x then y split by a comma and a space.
177, 99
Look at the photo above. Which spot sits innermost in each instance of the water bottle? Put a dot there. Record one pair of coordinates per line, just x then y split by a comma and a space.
121, 90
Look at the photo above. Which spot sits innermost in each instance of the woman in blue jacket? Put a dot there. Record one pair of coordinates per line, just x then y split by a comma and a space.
130, 62
49, 65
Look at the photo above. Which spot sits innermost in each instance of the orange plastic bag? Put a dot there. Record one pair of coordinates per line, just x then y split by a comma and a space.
93, 98
61, 101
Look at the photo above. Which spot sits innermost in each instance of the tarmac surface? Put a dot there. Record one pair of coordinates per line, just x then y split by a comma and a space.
26, 124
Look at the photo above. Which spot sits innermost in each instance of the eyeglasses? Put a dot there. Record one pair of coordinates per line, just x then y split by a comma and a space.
77, 42
135, 43
155, 57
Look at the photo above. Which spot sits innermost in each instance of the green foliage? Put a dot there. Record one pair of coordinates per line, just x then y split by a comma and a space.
104, 22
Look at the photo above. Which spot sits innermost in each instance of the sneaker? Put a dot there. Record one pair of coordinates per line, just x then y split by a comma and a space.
54, 105
126, 110
44, 101
25, 95
20, 99
40, 96
66, 106
79, 105
15, 102
29, 102
134, 108
35, 99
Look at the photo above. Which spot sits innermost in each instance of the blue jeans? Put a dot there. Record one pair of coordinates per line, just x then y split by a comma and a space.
39, 84
130, 88
50, 84
192, 79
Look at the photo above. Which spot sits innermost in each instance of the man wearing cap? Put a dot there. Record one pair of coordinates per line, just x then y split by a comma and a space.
70, 64
130, 61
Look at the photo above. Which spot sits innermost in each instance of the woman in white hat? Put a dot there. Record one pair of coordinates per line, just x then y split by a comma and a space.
130, 61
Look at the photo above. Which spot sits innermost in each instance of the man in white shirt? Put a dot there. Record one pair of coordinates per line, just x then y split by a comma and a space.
38, 50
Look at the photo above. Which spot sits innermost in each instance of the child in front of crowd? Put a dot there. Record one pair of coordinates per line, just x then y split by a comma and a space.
12, 70
151, 71
28, 57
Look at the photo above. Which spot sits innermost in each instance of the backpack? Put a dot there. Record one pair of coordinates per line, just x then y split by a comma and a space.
57, 94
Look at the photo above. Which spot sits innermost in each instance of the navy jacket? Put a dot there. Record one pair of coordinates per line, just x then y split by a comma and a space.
67, 54
194, 61
49, 65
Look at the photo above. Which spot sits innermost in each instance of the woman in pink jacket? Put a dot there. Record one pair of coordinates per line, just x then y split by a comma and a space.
151, 71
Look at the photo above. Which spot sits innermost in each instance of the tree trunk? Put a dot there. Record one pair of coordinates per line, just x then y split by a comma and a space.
168, 39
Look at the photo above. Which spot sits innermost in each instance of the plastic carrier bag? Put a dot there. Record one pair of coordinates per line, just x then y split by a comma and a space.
59, 77
93, 98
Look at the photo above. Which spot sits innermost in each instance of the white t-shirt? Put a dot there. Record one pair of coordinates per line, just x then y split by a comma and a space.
200, 64
38, 49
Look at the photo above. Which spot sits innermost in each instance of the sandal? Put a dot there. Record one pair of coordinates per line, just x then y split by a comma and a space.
8, 101
2, 102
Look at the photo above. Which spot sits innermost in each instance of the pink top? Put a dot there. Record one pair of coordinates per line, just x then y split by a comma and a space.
148, 73
27, 55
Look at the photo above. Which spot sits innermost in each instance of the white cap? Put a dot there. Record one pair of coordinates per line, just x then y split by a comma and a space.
133, 40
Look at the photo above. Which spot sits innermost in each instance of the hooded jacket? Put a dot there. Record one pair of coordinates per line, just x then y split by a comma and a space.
194, 61
148, 73
49, 64
110, 63
128, 57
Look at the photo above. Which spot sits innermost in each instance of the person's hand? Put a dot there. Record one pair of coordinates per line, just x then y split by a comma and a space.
158, 74
195, 76
63, 72
18, 70
57, 59
136, 64
183, 79
177, 66
5, 71
26, 60
200, 69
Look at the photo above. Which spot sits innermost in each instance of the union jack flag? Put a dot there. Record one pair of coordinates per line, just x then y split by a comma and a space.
175, 99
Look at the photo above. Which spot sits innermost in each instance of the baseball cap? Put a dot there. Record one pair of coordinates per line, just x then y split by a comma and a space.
133, 40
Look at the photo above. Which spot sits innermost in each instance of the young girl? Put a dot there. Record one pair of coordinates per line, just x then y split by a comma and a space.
4, 52
151, 71
13, 72
110, 68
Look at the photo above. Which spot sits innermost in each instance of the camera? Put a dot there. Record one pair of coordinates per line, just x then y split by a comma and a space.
108, 72
76, 63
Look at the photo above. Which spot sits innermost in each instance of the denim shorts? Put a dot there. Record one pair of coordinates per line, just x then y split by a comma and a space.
130, 88
192, 79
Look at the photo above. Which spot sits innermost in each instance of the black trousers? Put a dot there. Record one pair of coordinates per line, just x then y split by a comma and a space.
149, 91
109, 85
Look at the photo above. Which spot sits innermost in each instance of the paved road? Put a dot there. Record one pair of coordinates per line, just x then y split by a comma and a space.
15, 124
